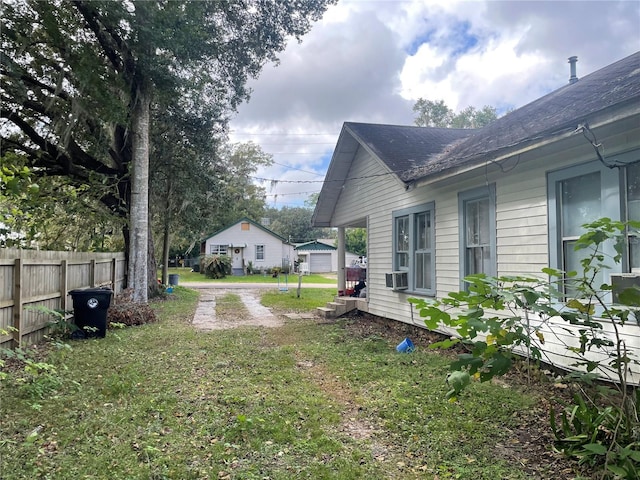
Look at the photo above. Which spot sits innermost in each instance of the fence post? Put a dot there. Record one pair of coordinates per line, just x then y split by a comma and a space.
17, 304
92, 273
114, 266
64, 286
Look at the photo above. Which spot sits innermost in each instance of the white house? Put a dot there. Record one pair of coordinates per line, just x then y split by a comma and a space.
247, 241
506, 199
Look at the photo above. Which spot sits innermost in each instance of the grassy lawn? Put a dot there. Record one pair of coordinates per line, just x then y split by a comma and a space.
186, 275
309, 400
288, 301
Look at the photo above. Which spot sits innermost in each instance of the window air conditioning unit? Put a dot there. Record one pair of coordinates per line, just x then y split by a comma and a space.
622, 281
397, 280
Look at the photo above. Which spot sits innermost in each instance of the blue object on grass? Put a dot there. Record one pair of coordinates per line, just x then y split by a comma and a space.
406, 346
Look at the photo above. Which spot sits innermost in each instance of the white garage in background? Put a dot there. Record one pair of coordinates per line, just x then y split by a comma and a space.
321, 257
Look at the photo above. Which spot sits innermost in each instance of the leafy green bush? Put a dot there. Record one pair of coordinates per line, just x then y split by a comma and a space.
497, 317
33, 377
60, 326
216, 266
596, 435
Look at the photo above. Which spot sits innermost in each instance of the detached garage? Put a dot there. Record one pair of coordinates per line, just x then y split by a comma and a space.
320, 263
320, 257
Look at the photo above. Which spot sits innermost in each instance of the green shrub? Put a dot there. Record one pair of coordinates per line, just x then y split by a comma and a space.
216, 266
492, 319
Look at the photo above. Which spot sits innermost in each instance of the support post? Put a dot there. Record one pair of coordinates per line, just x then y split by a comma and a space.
342, 284
17, 304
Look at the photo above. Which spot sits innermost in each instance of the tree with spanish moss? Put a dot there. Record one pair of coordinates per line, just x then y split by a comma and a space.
83, 81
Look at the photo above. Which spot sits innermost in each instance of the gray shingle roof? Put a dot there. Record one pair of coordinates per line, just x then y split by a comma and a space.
416, 153
403, 148
558, 112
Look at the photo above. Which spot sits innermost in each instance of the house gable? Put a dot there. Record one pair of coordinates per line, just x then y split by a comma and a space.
239, 224
396, 150
315, 246
247, 241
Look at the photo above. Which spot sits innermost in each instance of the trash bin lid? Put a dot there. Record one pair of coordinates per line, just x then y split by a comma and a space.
90, 291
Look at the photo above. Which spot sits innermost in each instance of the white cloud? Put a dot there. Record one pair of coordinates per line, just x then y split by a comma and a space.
370, 61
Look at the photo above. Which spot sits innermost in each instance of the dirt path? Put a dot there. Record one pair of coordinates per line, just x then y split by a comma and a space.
258, 316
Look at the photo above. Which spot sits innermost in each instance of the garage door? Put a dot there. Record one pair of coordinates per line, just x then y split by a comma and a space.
320, 262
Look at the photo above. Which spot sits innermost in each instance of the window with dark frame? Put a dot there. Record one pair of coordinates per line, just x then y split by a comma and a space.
585, 193
477, 231
633, 213
218, 249
413, 246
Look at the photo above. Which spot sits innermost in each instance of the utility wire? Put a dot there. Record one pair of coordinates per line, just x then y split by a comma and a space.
291, 194
298, 169
273, 180
286, 134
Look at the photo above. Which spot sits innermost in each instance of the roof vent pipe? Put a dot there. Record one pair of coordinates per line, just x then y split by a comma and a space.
572, 61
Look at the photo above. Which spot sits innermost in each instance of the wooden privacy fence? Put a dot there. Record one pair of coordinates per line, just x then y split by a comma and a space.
30, 278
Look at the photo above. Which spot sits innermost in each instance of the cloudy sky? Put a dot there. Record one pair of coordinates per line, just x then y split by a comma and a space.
370, 60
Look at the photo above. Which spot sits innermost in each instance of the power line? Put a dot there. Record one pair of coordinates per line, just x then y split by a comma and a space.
298, 144
298, 153
276, 181
298, 169
285, 134
289, 194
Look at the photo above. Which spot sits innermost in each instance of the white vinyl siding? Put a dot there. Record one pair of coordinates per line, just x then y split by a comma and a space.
366, 200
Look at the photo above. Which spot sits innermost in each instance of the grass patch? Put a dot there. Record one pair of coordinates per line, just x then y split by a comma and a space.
309, 299
308, 400
229, 305
186, 276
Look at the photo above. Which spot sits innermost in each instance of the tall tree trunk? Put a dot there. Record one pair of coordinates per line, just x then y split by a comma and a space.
165, 233
139, 213
152, 267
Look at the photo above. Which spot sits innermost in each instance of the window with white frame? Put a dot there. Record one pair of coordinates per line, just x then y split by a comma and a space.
582, 194
477, 227
218, 249
259, 252
414, 246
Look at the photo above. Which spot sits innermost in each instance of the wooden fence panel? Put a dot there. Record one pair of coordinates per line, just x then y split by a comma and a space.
79, 275
6, 300
31, 279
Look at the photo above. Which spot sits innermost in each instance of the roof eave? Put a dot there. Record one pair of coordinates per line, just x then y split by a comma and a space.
596, 120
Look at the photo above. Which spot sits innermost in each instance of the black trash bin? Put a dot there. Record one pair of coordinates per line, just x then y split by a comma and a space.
173, 278
90, 310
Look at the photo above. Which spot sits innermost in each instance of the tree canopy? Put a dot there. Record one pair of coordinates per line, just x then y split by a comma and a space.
294, 224
84, 82
438, 114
